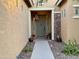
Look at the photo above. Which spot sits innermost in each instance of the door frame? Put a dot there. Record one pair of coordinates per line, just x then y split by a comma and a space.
42, 9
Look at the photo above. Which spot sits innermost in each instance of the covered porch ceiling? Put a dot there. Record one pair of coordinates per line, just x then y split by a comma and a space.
28, 3
60, 2
47, 12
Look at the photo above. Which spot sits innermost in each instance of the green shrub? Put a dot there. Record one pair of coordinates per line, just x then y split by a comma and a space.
71, 48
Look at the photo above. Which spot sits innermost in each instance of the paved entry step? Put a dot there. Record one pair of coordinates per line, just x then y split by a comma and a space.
42, 50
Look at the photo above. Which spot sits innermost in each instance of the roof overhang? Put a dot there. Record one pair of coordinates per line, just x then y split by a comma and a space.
60, 2
28, 3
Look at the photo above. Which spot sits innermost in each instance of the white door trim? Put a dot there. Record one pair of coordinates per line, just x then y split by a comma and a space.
42, 9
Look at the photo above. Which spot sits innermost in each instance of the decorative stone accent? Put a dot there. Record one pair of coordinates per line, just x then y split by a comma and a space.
57, 27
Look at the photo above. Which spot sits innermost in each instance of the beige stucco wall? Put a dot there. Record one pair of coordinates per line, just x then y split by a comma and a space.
69, 25
74, 23
64, 22
13, 28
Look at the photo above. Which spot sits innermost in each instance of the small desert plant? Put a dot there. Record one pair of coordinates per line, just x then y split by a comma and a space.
71, 48
28, 49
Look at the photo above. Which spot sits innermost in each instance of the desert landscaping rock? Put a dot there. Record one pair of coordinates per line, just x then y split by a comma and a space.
57, 50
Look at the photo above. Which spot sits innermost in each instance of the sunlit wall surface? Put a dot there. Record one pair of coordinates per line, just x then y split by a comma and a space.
13, 28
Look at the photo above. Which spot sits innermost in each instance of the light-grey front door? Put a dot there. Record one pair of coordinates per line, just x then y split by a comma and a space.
41, 26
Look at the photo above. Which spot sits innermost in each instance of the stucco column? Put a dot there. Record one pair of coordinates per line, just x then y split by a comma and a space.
52, 24
29, 24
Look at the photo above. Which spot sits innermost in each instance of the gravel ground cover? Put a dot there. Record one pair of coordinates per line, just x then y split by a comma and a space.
57, 49
27, 54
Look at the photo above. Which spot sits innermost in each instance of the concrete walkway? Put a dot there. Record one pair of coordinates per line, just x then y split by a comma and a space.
42, 50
